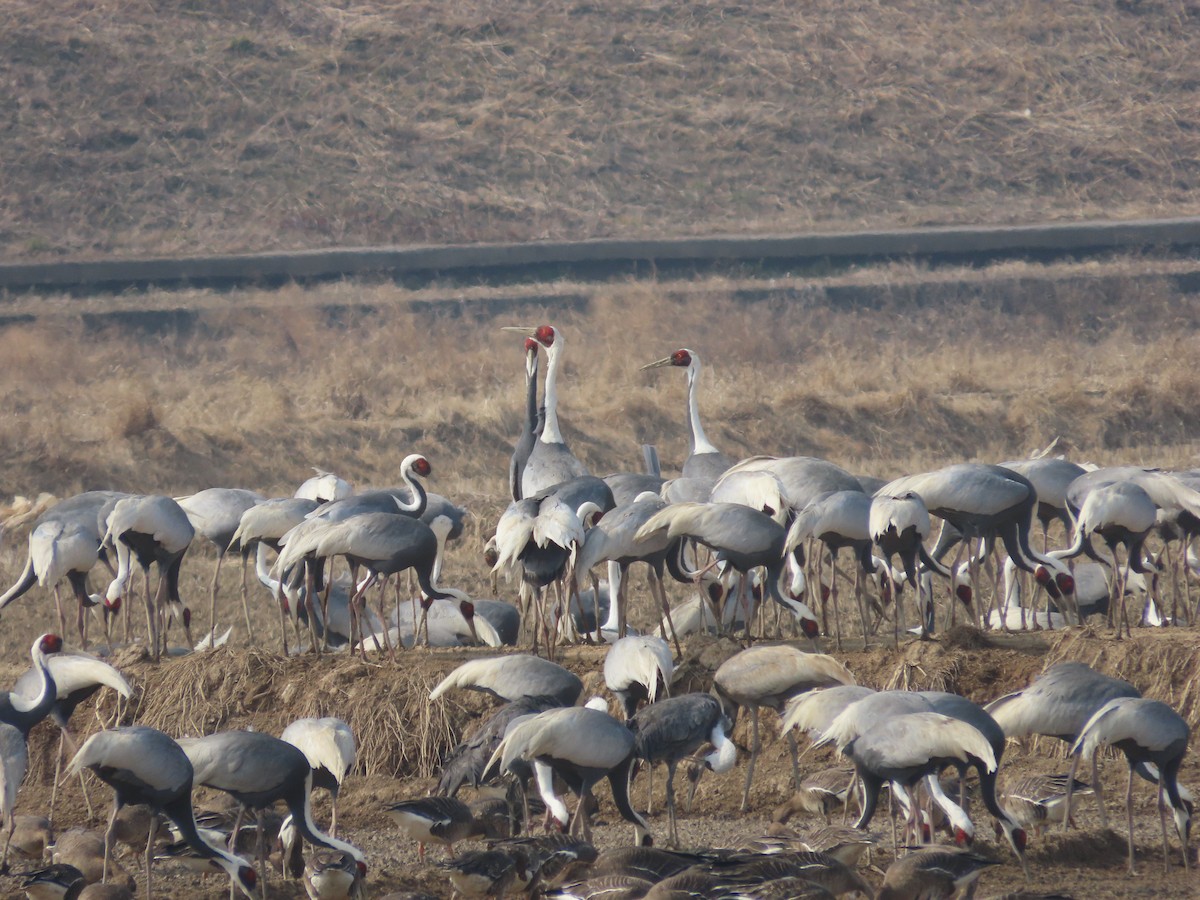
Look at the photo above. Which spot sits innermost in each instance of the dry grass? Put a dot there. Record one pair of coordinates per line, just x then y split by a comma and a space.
181, 126
265, 385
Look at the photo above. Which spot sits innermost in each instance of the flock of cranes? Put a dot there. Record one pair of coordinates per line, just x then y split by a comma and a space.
737, 533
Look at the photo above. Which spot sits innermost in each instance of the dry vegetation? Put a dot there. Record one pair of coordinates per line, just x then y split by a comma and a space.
187, 127
182, 127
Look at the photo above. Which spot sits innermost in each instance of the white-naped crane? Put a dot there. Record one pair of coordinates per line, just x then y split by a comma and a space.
465, 763
1058, 704
409, 498
899, 524
14, 762
771, 675
329, 745
1148, 732
756, 488
704, 461
638, 668
982, 503
803, 477
936, 873
439, 623
1051, 477
550, 461
904, 749
157, 531
382, 543
814, 711
261, 528
76, 677
24, 708
446, 520
531, 424
324, 487
583, 745
65, 542
537, 539
742, 539
215, 514
674, 728
1176, 494
259, 770
143, 765
512, 677
614, 539
959, 707
839, 520
1121, 512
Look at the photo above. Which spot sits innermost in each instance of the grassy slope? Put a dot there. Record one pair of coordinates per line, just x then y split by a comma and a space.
181, 126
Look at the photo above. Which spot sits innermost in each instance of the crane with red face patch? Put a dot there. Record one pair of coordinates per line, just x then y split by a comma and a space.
982, 502
532, 425
550, 460
704, 461
156, 530
145, 766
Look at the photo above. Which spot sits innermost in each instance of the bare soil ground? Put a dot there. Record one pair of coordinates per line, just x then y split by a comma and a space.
401, 736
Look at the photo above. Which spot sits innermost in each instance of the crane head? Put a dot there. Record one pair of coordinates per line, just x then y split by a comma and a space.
50, 643
1183, 820
421, 466
1042, 575
543, 334
247, 880
682, 358
962, 838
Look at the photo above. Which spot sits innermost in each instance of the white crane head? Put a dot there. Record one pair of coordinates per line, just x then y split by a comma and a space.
545, 335
417, 464
682, 358
239, 871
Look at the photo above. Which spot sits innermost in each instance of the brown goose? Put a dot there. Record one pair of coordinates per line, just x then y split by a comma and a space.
436, 820
936, 874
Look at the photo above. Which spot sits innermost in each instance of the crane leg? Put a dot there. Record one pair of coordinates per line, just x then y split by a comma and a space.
1162, 821
656, 584
149, 859
246, 604
755, 745
837, 616
1129, 818
283, 617
108, 841
212, 600
674, 829
1096, 790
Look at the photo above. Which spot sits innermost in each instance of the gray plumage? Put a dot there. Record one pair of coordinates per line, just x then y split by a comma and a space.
512, 677
259, 770
672, 729
531, 424
550, 461
465, 763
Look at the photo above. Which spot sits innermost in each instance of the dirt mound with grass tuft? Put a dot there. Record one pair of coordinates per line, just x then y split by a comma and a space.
1163, 664
399, 732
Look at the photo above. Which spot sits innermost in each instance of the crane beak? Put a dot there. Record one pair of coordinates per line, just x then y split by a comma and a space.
523, 330
657, 364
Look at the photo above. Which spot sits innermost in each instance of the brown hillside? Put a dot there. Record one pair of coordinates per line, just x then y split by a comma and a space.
182, 127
